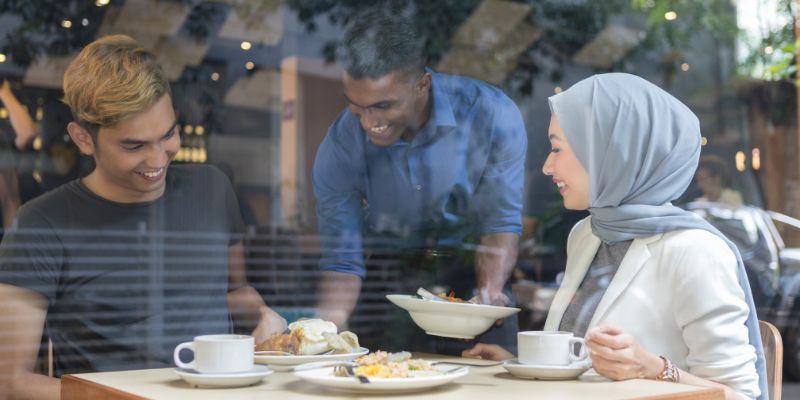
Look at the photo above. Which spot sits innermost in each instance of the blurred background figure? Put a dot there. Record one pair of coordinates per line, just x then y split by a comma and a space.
713, 181
22, 132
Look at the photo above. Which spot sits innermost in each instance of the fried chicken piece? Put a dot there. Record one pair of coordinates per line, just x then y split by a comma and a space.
288, 342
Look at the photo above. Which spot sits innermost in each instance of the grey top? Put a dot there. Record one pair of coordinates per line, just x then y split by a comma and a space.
599, 275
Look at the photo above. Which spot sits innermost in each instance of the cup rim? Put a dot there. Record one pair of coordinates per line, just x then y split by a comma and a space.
222, 338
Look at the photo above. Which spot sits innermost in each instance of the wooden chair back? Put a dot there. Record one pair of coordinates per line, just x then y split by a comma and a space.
773, 352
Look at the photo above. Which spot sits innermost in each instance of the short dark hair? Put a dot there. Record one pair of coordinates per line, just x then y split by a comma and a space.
376, 44
715, 165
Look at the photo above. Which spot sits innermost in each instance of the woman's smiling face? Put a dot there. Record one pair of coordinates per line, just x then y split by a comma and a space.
567, 172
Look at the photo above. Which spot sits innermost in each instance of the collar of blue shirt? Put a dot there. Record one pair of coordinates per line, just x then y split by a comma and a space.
441, 111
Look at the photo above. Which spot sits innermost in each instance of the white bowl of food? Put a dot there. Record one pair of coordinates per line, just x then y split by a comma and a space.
451, 319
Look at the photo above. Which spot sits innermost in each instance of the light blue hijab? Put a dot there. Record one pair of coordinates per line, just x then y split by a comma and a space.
640, 147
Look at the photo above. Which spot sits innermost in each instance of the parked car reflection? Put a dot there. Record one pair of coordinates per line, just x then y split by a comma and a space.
773, 269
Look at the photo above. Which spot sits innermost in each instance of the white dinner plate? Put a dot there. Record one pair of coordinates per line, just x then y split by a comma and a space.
546, 372
247, 378
325, 377
447, 319
286, 363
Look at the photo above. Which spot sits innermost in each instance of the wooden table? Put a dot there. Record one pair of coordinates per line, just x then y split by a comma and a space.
482, 383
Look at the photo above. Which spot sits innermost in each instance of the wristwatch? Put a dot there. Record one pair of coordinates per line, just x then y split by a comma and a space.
670, 373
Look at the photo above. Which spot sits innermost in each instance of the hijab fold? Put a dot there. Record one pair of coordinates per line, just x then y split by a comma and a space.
640, 147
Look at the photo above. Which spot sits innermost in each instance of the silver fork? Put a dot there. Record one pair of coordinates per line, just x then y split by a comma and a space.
347, 370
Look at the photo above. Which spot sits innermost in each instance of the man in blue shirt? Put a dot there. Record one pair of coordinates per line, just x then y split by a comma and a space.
423, 159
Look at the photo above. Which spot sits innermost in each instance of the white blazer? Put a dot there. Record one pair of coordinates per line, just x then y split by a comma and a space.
677, 293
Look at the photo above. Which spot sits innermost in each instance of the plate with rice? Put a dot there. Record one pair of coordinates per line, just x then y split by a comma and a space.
387, 372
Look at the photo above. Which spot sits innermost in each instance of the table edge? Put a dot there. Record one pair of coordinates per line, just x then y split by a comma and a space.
702, 394
75, 388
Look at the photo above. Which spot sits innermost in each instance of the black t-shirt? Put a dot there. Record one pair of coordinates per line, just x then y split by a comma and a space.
127, 282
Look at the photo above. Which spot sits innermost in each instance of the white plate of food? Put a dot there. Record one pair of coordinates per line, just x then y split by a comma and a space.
461, 320
409, 375
307, 341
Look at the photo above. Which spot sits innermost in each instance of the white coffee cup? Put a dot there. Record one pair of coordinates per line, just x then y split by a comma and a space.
215, 354
549, 348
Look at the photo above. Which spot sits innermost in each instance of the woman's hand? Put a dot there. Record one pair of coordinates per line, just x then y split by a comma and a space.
616, 355
487, 352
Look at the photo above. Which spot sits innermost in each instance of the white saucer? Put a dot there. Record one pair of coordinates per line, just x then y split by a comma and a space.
246, 378
546, 372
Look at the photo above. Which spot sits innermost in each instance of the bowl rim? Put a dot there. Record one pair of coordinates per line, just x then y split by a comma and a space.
411, 303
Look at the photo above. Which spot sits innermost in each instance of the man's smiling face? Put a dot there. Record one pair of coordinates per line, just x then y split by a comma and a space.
388, 107
132, 156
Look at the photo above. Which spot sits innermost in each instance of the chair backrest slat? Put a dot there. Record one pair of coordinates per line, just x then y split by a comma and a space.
773, 352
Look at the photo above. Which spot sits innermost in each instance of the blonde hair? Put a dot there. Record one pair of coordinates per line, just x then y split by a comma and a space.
111, 79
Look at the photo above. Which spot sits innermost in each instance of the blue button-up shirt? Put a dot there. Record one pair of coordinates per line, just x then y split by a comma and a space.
460, 176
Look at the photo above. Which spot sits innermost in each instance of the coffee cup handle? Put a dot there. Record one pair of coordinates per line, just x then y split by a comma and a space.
177, 359
582, 353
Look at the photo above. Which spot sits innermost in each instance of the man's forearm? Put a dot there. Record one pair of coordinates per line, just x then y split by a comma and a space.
337, 294
21, 121
495, 259
30, 386
251, 312
246, 306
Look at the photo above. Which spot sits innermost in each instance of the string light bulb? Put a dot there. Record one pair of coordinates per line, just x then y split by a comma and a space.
740, 158
756, 157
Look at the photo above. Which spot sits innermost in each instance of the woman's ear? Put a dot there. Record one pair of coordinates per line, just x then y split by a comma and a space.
82, 138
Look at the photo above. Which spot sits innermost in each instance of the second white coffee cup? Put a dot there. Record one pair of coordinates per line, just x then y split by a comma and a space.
218, 354
549, 348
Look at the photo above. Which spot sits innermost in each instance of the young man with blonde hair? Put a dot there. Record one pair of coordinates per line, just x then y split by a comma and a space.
120, 266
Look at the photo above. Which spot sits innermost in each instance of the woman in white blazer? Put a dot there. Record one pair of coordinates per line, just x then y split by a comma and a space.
676, 305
